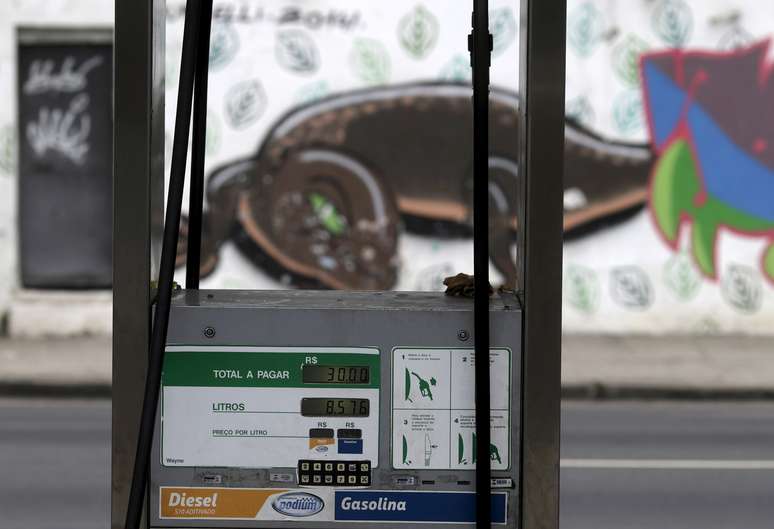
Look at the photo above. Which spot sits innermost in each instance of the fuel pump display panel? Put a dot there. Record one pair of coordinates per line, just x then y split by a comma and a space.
306, 409
258, 407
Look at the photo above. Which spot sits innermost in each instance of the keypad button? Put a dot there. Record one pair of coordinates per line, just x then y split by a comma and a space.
353, 467
328, 467
341, 479
329, 479
341, 467
352, 480
304, 466
364, 480
316, 479
317, 466
304, 479
364, 467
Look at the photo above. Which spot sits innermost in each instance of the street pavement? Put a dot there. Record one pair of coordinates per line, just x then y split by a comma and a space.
592, 366
667, 465
54, 464
625, 465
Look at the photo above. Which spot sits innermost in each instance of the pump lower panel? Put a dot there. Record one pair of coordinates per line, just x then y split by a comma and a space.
308, 408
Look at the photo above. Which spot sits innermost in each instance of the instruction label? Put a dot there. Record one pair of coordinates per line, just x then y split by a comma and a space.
242, 406
434, 408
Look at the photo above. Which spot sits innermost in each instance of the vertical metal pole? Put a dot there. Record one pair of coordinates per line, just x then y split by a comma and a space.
167, 267
542, 79
138, 186
198, 148
480, 46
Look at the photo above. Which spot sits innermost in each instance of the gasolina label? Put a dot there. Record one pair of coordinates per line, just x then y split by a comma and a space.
241, 406
433, 408
415, 506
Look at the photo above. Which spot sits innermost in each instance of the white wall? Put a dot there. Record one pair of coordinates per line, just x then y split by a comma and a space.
620, 279
36, 14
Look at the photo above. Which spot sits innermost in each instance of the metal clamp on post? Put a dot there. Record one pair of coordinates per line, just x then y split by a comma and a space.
480, 47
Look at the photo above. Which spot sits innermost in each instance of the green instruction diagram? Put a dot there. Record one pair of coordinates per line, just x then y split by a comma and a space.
433, 409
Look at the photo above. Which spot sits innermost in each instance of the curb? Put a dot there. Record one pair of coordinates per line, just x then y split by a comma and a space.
619, 392
68, 390
600, 392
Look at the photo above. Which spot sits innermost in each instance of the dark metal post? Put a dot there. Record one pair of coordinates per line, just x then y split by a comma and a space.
138, 185
167, 267
542, 79
480, 46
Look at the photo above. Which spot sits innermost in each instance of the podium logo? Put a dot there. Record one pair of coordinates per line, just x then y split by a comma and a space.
298, 504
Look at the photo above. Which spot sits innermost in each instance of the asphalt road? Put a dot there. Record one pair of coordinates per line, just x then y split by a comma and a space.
625, 465
667, 466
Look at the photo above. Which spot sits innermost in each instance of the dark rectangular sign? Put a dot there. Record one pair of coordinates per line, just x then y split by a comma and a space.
65, 164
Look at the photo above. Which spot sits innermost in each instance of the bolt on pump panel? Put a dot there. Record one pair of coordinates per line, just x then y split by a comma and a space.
310, 408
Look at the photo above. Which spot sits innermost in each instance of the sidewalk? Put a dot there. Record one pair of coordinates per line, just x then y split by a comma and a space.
56, 366
593, 367
668, 367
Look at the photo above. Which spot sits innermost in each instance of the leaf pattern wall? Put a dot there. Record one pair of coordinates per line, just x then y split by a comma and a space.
418, 32
297, 52
370, 61
290, 53
7, 149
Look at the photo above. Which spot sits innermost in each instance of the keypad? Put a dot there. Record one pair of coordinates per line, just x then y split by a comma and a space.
332, 474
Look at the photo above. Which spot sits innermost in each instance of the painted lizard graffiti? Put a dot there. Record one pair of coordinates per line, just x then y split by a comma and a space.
335, 182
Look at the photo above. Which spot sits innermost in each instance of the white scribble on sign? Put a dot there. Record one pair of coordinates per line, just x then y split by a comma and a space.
65, 132
42, 77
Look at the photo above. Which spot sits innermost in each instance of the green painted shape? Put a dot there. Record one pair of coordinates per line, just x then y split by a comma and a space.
674, 185
715, 211
408, 385
460, 448
198, 368
331, 219
707, 218
703, 245
768, 262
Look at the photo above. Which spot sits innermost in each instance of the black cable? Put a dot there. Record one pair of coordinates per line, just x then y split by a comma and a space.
198, 147
480, 46
167, 266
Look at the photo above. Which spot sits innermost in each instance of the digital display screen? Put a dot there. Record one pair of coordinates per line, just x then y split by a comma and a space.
311, 374
335, 407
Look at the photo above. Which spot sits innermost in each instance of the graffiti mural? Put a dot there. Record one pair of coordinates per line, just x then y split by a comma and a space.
710, 118
335, 182
338, 154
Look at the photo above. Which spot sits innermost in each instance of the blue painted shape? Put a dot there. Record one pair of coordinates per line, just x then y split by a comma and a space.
666, 102
350, 446
730, 174
415, 506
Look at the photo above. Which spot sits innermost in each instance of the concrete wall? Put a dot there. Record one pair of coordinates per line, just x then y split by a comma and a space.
631, 263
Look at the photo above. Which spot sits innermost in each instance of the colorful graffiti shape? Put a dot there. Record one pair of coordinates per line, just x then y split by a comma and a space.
325, 198
710, 118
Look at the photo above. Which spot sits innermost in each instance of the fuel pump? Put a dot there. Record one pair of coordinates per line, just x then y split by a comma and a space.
269, 409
